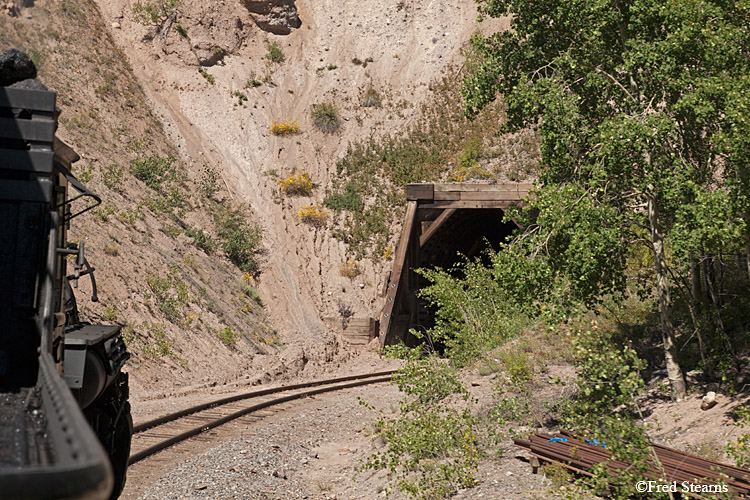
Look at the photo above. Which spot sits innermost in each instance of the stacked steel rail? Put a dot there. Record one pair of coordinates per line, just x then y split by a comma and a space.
160, 433
580, 455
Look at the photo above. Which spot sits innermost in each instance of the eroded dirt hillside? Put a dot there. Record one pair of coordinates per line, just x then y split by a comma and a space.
186, 309
189, 92
200, 63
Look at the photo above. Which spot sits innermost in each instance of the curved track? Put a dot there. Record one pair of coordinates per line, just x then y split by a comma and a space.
155, 435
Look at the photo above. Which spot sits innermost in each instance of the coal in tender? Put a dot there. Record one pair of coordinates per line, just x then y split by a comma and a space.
15, 66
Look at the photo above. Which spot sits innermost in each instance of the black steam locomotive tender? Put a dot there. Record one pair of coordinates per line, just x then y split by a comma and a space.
65, 424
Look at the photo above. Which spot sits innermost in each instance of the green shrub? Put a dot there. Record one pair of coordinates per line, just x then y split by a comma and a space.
471, 152
518, 366
161, 346
110, 313
202, 240
325, 117
228, 336
246, 285
275, 54
209, 183
112, 176
252, 82
239, 239
738, 449
170, 293
153, 170
181, 30
475, 312
241, 97
429, 379
205, 74
371, 98
432, 450
347, 199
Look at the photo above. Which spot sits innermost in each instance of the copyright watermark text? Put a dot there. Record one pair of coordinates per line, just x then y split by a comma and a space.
681, 487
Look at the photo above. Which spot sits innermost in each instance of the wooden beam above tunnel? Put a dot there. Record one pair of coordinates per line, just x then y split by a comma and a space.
504, 191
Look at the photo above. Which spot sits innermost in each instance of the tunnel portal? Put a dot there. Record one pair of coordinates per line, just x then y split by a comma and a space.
443, 222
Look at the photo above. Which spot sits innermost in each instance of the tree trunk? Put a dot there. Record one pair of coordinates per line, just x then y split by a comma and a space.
674, 372
695, 282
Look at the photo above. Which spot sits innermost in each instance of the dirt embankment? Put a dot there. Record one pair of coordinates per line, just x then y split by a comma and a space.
130, 89
339, 51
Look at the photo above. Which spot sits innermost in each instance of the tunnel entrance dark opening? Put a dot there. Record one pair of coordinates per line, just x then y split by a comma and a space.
466, 234
444, 224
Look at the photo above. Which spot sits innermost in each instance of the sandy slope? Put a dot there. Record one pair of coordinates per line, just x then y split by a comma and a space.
411, 43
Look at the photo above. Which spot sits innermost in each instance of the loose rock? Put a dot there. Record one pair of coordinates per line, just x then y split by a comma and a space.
709, 401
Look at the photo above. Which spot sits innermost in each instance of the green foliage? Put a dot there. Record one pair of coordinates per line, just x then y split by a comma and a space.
477, 309
275, 54
241, 97
181, 30
428, 379
739, 449
172, 231
153, 170
325, 117
110, 313
202, 240
253, 82
112, 176
517, 366
606, 407
153, 12
104, 212
636, 106
161, 346
248, 290
205, 74
228, 336
238, 238
86, 175
209, 183
171, 294
346, 199
431, 454
432, 449
379, 169
609, 375
470, 153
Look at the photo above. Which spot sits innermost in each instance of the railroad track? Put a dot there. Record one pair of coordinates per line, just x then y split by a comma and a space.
160, 433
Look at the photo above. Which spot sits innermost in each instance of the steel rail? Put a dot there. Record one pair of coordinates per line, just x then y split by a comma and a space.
579, 456
330, 385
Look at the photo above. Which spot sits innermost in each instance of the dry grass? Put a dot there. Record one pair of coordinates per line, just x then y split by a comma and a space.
349, 269
315, 215
325, 117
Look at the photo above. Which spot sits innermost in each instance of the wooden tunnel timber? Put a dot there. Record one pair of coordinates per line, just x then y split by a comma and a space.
441, 222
